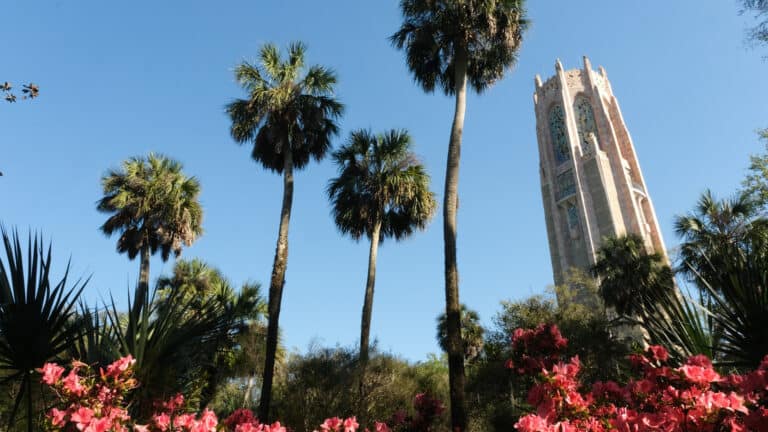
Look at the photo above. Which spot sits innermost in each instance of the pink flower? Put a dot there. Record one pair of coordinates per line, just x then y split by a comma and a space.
51, 373
532, 423
658, 353
274, 427
208, 421
699, 375
381, 427
118, 367
82, 416
184, 421
140, 428
350, 424
162, 421
331, 424
99, 425
72, 384
56, 416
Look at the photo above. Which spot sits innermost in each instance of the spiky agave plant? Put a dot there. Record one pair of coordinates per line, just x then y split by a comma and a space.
35, 314
171, 344
727, 321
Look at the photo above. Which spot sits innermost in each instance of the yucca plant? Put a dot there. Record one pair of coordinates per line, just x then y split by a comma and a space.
730, 328
726, 255
681, 323
96, 344
35, 317
170, 347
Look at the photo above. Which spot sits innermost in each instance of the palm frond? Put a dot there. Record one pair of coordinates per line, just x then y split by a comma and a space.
380, 182
285, 108
434, 33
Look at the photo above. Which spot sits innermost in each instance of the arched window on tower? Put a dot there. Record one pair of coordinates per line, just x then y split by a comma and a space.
572, 215
585, 120
559, 134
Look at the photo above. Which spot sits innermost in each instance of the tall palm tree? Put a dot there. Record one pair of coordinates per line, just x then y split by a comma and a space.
629, 275
449, 43
289, 118
34, 315
382, 191
154, 207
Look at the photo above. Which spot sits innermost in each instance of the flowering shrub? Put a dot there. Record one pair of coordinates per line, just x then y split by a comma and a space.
537, 349
93, 403
692, 397
428, 412
96, 403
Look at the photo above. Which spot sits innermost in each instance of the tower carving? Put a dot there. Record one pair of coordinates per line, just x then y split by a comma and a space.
591, 183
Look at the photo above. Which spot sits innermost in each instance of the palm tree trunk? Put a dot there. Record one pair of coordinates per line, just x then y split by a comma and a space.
249, 391
276, 286
365, 325
450, 207
143, 289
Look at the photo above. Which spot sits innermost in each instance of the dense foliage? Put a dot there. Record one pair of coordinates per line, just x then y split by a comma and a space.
325, 381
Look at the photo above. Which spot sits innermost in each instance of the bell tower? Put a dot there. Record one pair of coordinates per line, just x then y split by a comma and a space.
591, 183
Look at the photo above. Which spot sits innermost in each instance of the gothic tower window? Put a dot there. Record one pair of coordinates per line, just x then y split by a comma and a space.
559, 134
572, 213
566, 185
585, 120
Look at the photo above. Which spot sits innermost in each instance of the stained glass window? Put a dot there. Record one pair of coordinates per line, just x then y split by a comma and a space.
573, 216
566, 185
585, 119
559, 134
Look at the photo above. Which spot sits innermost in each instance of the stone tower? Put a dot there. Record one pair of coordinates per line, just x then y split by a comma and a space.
591, 182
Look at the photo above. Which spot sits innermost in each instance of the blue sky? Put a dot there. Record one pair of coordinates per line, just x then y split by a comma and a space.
120, 79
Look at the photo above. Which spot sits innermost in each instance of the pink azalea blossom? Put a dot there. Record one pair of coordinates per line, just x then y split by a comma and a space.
350, 424
51, 373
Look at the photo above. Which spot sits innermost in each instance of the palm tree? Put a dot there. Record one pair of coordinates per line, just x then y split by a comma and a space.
449, 43
35, 313
629, 275
714, 231
154, 207
725, 253
471, 333
759, 8
289, 118
197, 285
382, 191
